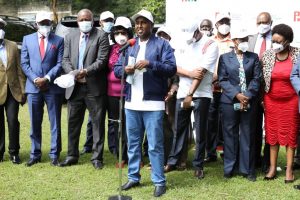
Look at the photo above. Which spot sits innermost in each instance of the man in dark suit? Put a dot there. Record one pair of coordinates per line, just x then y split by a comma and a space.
258, 44
12, 83
86, 52
41, 58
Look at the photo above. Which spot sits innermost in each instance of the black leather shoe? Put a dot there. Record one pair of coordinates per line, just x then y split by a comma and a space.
199, 174
68, 162
297, 187
32, 161
159, 190
85, 151
251, 177
1, 158
97, 164
228, 176
270, 178
210, 159
15, 159
54, 162
169, 168
129, 185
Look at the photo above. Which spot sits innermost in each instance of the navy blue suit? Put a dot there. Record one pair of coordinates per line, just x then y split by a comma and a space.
237, 130
34, 66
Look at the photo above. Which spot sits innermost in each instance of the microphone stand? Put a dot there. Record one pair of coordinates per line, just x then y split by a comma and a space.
120, 132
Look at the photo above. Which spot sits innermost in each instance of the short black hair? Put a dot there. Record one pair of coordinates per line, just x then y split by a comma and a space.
285, 31
115, 28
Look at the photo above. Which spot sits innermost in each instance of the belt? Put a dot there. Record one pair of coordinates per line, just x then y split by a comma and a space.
81, 83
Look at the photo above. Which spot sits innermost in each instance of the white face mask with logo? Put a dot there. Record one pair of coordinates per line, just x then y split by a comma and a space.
243, 46
121, 39
277, 47
44, 30
224, 29
85, 26
263, 28
2, 34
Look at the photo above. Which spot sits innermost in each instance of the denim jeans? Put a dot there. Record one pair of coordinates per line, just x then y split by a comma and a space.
137, 122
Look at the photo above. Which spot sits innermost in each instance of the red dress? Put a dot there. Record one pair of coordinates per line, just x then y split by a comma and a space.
281, 107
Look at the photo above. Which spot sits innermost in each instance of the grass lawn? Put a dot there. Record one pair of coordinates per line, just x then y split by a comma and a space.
82, 181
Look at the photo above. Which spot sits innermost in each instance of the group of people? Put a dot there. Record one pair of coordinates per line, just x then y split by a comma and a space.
228, 81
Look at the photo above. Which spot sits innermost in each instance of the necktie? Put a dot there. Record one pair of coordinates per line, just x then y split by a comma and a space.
82, 47
262, 47
42, 47
242, 75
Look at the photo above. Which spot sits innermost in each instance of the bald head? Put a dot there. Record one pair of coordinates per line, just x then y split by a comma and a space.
263, 18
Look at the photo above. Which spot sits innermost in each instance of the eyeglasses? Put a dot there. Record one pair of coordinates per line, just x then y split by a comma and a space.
120, 32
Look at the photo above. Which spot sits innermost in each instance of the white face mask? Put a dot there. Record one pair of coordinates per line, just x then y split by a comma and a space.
243, 46
85, 26
121, 39
263, 28
207, 33
44, 30
107, 26
2, 34
277, 47
224, 29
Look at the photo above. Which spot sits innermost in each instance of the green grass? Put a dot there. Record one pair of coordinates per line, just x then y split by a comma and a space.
82, 181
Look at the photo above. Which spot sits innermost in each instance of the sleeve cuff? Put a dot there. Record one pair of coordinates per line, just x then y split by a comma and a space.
48, 77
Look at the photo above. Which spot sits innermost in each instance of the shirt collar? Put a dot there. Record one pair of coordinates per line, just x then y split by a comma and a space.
40, 35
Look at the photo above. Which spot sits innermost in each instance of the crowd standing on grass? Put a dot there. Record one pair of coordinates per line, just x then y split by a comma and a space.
228, 82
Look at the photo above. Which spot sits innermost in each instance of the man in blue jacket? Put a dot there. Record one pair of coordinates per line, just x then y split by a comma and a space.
149, 64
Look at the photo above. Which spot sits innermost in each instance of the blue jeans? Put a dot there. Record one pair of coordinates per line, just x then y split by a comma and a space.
137, 122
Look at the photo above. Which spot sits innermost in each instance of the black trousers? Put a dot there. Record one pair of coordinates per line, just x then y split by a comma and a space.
238, 140
11, 107
77, 104
182, 128
214, 128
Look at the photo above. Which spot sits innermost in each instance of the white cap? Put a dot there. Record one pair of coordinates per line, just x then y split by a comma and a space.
123, 21
43, 15
106, 15
3, 22
222, 15
163, 29
65, 81
239, 33
143, 13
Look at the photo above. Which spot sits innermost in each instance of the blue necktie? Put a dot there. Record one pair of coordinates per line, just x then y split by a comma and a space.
82, 47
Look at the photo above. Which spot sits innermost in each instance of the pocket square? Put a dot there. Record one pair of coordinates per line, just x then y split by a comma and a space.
53, 47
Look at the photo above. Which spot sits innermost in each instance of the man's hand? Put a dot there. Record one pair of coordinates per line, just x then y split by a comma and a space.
197, 73
169, 95
82, 73
41, 82
187, 102
129, 69
141, 64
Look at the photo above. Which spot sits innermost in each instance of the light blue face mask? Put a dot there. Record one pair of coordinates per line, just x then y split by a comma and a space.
107, 26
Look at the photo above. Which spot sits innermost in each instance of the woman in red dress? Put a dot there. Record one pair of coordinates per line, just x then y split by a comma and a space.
280, 99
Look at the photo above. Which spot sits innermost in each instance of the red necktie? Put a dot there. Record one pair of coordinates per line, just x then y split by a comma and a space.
42, 47
262, 47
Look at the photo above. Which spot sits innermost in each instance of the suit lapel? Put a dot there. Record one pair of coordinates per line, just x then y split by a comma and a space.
75, 49
234, 60
90, 41
36, 45
49, 44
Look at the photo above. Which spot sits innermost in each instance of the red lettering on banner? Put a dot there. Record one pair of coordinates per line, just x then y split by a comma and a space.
296, 16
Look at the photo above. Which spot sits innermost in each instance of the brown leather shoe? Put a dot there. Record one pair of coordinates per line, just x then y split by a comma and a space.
199, 174
169, 168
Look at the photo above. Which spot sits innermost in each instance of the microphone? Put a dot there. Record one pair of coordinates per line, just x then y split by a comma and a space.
129, 43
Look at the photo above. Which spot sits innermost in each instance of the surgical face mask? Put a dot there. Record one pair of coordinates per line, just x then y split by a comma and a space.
44, 30
2, 34
85, 26
207, 33
121, 39
263, 28
224, 29
107, 26
277, 47
243, 46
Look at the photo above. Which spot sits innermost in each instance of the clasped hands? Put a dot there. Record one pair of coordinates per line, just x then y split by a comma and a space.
81, 74
141, 64
41, 83
244, 101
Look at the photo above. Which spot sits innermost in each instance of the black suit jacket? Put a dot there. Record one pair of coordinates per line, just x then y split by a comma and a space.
94, 60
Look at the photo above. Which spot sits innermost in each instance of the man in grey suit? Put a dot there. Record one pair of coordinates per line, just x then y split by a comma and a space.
86, 54
259, 43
